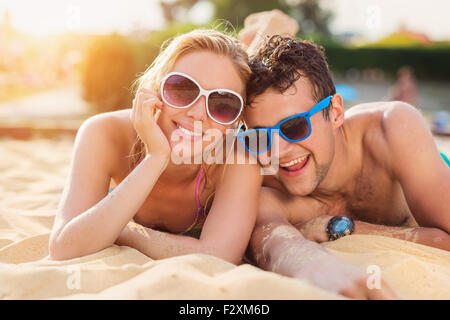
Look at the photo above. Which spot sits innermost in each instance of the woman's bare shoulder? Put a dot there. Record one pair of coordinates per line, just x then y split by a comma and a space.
114, 126
108, 134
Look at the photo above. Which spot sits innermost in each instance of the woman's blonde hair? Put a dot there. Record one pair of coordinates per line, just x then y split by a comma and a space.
200, 39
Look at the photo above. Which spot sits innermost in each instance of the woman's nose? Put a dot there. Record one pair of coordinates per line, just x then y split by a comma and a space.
198, 110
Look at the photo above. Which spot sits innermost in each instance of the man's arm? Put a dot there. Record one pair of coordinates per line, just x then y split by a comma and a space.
264, 24
315, 230
278, 246
432, 237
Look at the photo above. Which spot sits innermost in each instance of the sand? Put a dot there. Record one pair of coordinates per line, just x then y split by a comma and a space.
32, 175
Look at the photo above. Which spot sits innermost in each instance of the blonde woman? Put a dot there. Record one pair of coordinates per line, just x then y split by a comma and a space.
199, 78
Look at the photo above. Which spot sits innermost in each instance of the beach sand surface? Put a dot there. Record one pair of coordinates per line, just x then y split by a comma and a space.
32, 176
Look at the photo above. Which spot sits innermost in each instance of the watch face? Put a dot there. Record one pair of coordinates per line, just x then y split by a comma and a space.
341, 226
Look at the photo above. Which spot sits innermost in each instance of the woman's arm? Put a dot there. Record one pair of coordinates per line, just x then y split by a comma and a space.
88, 218
227, 228
160, 245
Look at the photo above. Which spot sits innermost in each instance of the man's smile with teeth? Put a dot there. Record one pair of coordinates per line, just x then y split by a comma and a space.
292, 162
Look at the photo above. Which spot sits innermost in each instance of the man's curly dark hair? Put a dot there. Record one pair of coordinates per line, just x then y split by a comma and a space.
282, 61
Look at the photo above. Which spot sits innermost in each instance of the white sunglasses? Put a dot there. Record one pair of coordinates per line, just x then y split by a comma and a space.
179, 90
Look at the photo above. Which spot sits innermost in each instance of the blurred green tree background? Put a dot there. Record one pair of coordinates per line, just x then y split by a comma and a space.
112, 63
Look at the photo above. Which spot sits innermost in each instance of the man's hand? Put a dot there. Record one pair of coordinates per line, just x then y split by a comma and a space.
263, 24
334, 275
315, 228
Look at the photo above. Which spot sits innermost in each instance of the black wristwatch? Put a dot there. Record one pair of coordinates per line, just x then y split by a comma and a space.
339, 226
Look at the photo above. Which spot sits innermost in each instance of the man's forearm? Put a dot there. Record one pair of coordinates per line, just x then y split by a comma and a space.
278, 246
432, 237
282, 249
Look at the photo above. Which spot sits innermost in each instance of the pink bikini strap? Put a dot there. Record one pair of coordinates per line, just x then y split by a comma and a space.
200, 210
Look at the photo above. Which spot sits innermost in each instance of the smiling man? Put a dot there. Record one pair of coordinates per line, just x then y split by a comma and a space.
374, 169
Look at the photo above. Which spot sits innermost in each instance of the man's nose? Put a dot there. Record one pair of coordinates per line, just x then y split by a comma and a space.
198, 110
284, 146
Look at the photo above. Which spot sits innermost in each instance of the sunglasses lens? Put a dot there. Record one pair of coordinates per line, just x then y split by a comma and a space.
257, 141
224, 106
180, 91
296, 128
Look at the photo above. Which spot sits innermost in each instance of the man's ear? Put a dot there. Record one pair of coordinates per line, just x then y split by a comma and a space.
337, 112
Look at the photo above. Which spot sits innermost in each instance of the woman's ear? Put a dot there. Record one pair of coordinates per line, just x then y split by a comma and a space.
337, 111
158, 95
158, 106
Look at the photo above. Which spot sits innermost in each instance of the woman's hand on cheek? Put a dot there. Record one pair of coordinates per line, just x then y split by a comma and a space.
144, 115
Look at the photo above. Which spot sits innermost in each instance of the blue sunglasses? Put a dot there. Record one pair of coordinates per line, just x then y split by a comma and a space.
292, 129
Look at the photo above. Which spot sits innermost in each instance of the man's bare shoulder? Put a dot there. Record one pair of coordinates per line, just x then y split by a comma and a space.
376, 113
368, 112
379, 123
